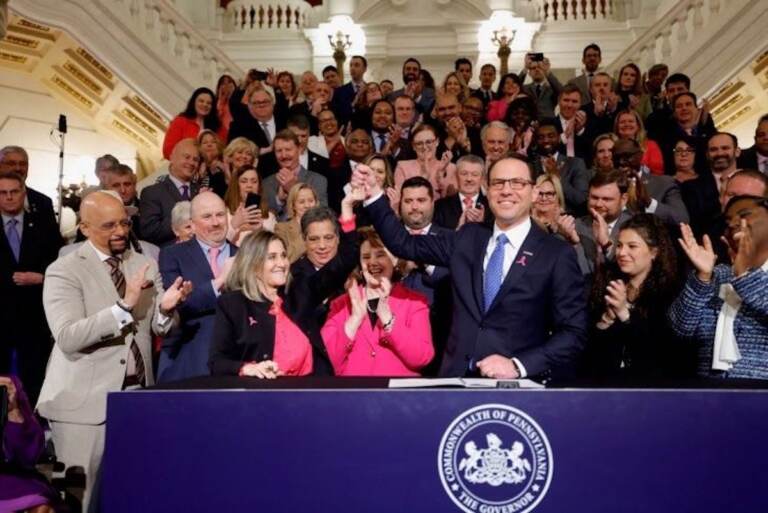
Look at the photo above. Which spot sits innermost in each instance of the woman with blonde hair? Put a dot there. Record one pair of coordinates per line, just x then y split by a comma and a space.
549, 203
454, 84
629, 125
301, 197
244, 219
266, 325
240, 152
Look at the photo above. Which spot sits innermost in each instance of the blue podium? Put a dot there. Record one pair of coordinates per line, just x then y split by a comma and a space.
436, 450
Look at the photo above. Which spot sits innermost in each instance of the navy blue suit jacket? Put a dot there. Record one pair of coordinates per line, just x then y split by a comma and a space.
539, 315
186, 349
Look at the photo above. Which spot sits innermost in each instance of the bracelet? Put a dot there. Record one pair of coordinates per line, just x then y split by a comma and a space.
121, 304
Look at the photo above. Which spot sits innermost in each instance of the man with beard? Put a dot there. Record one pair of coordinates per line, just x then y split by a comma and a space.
572, 172
204, 261
382, 119
424, 97
454, 135
276, 187
416, 210
102, 301
649, 193
591, 58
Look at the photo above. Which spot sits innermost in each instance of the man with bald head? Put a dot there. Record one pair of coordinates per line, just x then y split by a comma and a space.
157, 200
101, 302
518, 308
204, 261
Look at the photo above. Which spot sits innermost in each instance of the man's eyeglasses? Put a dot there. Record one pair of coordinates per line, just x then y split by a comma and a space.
111, 226
516, 184
262, 103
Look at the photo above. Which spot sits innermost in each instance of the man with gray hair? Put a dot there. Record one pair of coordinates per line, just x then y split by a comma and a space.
469, 205
15, 159
495, 139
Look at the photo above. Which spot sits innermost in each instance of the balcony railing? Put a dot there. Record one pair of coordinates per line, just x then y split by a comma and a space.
574, 10
256, 15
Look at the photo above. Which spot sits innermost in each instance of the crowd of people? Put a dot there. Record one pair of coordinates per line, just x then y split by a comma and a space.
598, 228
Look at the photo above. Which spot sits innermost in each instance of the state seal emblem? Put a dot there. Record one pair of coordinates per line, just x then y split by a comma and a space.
495, 459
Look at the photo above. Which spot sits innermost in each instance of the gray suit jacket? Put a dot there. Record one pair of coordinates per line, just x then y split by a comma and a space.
155, 207
670, 207
547, 100
89, 356
317, 181
574, 177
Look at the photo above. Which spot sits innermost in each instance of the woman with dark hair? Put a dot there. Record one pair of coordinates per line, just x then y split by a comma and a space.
246, 219
602, 151
440, 172
630, 298
21, 444
426, 79
629, 87
510, 88
379, 328
266, 323
200, 114
225, 86
521, 117
629, 125
287, 84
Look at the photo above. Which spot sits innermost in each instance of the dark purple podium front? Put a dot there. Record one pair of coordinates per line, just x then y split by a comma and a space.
447, 450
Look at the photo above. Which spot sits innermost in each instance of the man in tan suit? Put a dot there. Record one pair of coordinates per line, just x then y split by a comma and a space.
101, 302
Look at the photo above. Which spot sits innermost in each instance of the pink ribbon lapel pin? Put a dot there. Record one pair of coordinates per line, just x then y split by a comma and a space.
523, 260
251, 321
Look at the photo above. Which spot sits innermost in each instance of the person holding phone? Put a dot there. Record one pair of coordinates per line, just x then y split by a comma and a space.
247, 208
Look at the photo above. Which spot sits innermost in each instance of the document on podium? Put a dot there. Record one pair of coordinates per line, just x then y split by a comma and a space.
463, 383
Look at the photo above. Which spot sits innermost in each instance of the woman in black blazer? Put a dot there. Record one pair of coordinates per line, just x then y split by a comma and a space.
265, 324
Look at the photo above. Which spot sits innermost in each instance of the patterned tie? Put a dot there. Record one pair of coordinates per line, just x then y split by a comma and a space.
185, 192
118, 278
12, 233
213, 255
468, 203
265, 127
494, 272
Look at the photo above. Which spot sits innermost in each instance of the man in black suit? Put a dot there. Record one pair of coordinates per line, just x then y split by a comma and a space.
344, 96
424, 97
28, 244
601, 109
485, 92
157, 200
572, 172
518, 303
417, 207
16, 160
756, 157
311, 161
469, 205
122, 180
261, 120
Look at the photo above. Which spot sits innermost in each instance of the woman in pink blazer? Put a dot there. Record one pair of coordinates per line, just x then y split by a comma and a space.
381, 328
441, 173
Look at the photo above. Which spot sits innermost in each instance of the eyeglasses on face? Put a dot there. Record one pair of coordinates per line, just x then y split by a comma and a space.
547, 195
516, 184
683, 151
112, 225
424, 144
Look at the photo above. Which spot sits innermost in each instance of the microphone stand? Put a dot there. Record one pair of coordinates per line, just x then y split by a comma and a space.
62, 129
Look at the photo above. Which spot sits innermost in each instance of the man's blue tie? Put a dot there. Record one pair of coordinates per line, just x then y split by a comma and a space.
13, 237
494, 272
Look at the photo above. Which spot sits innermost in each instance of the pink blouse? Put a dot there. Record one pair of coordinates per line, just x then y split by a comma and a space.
293, 352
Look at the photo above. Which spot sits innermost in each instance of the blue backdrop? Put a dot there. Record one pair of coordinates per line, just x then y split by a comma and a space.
370, 451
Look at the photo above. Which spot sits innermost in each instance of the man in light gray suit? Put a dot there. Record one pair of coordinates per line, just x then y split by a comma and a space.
276, 187
591, 58
100, 302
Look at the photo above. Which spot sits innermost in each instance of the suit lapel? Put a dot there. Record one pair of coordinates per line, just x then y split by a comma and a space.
198, 258
98, 270
524, 259
478, 255
171, 187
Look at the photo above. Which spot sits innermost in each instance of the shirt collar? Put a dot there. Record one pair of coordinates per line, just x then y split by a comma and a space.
474, 198
103, 256
178, 183
304, 159
19, 217
207, 247
515, 235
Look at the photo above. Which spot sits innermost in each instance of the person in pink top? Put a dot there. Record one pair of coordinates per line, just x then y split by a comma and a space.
441, 173
510, 88
200, 114
629, 125
380, 328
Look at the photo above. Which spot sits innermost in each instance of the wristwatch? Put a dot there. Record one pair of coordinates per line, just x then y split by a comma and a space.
121, 304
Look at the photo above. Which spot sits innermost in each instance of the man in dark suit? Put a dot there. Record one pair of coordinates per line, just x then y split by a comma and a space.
518, 304
157, 200
591, 58
310, 160
424, 97
572, 172
204, 261
571, 124
485, 92
469, 205
28, 244
16, 160
344, 96
756, 157
602, 108
122, 180
261, 120
416, 210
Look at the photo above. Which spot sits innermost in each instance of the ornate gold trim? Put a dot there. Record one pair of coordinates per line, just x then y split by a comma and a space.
136, 119
10, 57
22, 41
71, 91
82, 77
90, 59
130, 133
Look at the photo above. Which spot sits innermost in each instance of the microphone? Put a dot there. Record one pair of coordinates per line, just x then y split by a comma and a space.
62, 123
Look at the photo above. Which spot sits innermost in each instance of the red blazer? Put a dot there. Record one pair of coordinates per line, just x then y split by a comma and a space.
653, 157
374, 352
184, 128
